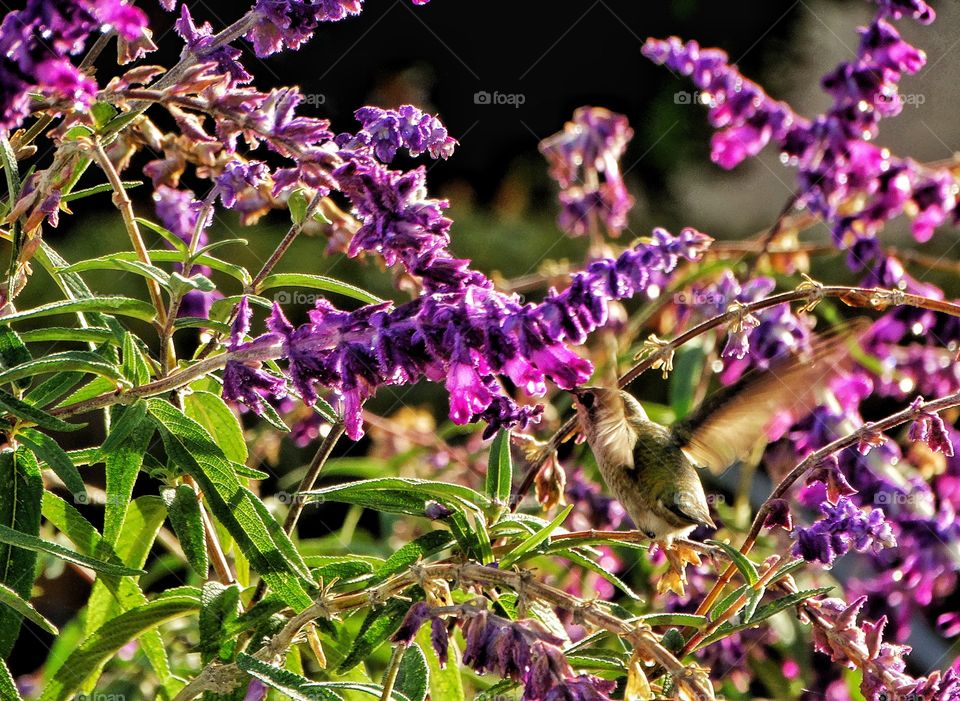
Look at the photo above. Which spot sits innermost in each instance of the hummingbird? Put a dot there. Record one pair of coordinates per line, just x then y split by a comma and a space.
652, 469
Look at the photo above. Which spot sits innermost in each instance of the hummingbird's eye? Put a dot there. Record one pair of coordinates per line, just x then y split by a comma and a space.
586, 399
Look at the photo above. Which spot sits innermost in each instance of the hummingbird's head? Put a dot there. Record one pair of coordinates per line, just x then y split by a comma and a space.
603, 411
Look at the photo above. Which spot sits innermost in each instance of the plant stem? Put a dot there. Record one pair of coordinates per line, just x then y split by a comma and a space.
313, 472
125, 206
390, 678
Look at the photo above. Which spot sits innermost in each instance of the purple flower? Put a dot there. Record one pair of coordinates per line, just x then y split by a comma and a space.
199, 39
929, 428
525, 652
245, 382
584, 159
287, 24
843, 527
417, 615
238, 176
385, 132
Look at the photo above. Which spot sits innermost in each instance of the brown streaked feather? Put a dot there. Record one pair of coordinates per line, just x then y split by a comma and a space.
729, 423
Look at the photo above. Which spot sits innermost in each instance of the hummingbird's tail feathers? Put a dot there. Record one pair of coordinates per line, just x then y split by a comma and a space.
730, 422
685, 509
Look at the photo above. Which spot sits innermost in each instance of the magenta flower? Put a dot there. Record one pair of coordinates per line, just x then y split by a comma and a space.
584, 160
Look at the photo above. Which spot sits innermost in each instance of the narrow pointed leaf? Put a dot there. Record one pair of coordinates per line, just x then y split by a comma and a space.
193, 451
108, 640
28, 412
49, 450
500, 468
747, 569
122, 306
533, 541
21, 491
31, 542
317, 282
184, 512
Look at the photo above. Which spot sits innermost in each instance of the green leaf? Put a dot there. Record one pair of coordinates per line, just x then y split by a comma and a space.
500, 469
178, 244
49, 450
31, 542
10, 598
67, 361
691, 620
445, 682
28, 412
764, 612
123, 456
533, 541
102, 113
211, 412
747, 569
13, 352
193, 451
201, 322
53, 388
107, 641
299, 688
135, 367
413, 677
66, 333
97, 189
123, 424
424, 546
379, 625
400, 495
111, 595
8, 688
21, 490
777, 605
297, 204
317, 282
579, 558
122, 306
183, 510
220, 610
136, 267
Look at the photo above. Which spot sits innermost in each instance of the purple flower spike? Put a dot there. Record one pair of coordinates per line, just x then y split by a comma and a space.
837, 163
584, 160
844, 527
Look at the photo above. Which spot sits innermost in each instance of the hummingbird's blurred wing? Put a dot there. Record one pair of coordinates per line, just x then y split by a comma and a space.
730, 422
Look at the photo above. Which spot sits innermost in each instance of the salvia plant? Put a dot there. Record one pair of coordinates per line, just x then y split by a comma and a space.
480, 557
